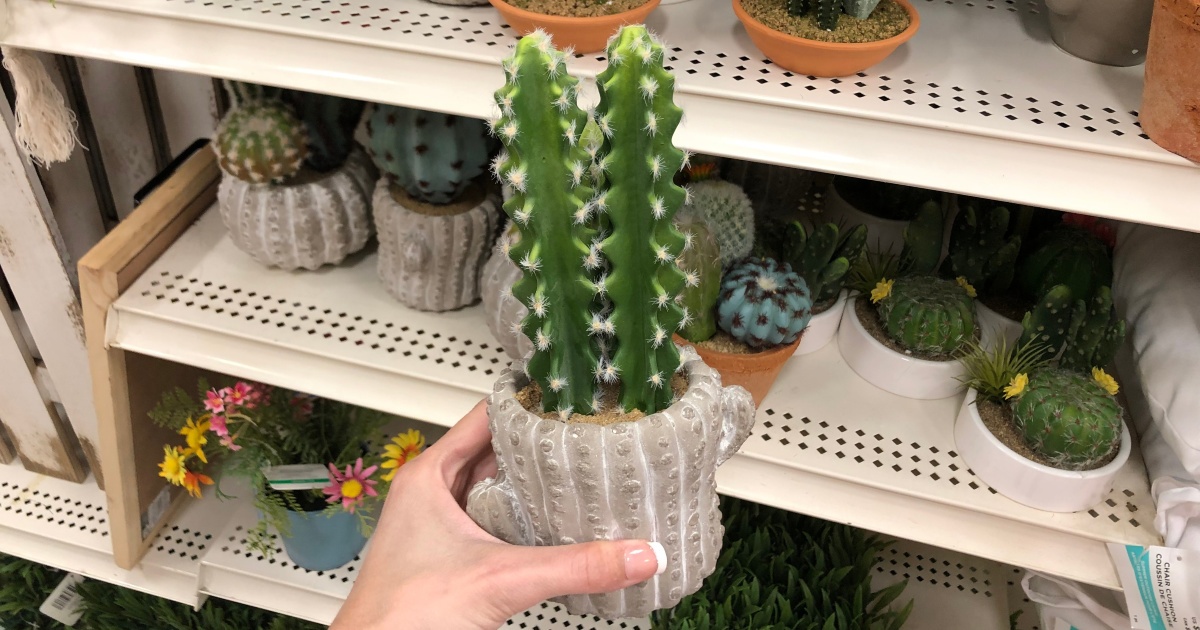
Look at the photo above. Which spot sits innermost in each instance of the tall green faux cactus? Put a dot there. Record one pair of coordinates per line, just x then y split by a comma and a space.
701, 264
544, 164
1049, 322
980, 249
1095, 333
637, 116
923, 240
824, 257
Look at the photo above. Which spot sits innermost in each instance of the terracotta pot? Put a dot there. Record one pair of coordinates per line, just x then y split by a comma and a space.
756, 372
584, 34
1170, 111
823, 59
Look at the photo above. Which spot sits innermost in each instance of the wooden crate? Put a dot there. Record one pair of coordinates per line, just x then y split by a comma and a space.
126, 385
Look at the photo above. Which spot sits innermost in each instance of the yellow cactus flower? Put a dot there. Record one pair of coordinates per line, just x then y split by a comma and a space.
194, 433
962, 282
881, 290
1016, 386
1105, 380
173, 467
403, 448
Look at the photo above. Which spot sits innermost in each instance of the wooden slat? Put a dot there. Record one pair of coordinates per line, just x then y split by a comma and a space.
126, 385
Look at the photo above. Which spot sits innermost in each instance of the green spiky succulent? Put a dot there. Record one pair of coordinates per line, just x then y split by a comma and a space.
823, 257
980, 249
1068, 418
701, 265
928, 314
1094, 335
1066, 255
1049, 322
763, 303
261, 141
729, 214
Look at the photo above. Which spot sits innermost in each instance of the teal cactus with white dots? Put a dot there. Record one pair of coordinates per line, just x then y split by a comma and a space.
763, 303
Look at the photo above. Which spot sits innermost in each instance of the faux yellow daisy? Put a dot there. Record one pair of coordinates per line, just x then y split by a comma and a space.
962, 282
173, 467
1016, 386
881, 290
195, 434
1105, 380
403, 448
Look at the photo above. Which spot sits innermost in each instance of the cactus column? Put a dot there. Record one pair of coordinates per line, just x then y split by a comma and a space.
545, 164
638, 116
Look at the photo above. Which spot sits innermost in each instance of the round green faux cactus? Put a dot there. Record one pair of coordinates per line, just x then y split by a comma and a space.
261, 142
432, 156
701, 265
726, 209
1068, 418
928, 314
1069, 256
763, 303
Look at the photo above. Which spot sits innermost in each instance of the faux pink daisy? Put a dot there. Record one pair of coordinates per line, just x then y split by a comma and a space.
239, 394
218, 426
350, 487
214, 402
227, 442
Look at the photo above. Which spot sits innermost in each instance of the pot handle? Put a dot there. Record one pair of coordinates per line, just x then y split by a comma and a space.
492, 504
737, 420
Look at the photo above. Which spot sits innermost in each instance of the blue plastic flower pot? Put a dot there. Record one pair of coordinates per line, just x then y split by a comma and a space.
321, 542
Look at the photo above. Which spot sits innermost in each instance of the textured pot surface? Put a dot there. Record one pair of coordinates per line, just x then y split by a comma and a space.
652, 479
302, 225
1028, 482
892, 371
1170, 111
584, 34
502, 311
431, 262
823, 327
321, 542
756, 371
1111, 32
822, 59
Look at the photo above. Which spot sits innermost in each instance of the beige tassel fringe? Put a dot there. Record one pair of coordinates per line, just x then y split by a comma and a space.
45, 125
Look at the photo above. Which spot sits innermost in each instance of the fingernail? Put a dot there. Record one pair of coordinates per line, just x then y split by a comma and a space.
643, 561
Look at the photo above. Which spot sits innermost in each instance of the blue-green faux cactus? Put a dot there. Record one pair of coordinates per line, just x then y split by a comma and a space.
980, 249
763, 304
544, 166
701, 265
927, 314
330, 121
637, 116
432, 156
1068, 418
729, 214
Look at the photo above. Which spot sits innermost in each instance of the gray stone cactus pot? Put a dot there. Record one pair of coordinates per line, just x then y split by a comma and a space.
431, 262
316, 220
652, 479
502, 311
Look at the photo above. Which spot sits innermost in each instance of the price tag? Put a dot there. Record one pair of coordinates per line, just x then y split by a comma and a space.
1162, 586
297, 476
64, 604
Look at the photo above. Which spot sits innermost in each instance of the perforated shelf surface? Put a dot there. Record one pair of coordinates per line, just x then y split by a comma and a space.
980, 101
826, 443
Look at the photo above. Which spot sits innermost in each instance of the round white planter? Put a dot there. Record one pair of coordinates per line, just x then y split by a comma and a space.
996, 326
882, 234
1025, 481
892, 371
822, 328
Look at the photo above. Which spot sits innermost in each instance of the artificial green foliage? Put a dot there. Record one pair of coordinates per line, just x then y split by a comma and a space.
1068, 418
884, 200
928, 314
784, 571
544, 163
432, 156
1066, 255
701, 265
637, 115
873, 267
1094, 335
728, 211
992, 368
923, 240
24, 585
1048, 324
261, 141
330, 122
980, 249
823, 257
763, 304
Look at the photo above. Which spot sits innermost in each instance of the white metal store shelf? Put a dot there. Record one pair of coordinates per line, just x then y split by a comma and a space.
827, 443
979, 102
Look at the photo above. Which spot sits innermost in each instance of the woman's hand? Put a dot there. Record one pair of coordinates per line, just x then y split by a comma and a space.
430, 566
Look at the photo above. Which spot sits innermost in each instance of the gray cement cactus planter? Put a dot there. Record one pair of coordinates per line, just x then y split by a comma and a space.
651, 479
314, 221
502, 311
430, 256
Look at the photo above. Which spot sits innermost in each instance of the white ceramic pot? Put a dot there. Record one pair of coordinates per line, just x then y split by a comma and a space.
823, 327
996, 326
892, 371
1028, 482
882, 234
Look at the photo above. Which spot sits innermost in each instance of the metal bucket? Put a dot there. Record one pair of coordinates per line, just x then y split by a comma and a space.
1111, 32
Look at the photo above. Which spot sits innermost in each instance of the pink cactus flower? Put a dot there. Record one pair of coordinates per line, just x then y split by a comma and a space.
350, 487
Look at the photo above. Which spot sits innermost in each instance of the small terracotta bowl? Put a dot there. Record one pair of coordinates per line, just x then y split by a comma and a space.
822, 59
756, 372
584, 34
